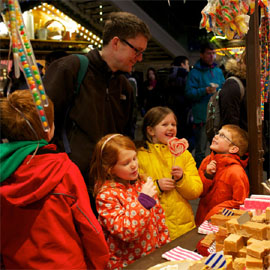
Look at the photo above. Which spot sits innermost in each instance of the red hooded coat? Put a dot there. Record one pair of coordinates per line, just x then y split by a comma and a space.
228, 189
46, 217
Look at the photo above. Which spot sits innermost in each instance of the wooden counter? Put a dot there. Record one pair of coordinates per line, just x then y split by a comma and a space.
187, 241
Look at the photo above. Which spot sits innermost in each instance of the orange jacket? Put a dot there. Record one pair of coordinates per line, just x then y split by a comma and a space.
228, 188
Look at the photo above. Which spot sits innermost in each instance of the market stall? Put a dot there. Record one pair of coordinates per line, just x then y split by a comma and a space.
186, 241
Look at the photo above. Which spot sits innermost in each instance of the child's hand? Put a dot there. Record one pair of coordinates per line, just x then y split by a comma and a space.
211, 167
166, 184
177, 173
149, 188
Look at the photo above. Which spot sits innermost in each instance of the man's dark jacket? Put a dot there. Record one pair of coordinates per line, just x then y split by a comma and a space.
104, 104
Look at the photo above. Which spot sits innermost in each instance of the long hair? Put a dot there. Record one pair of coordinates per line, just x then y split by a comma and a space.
14, 126
105, 157
152, 118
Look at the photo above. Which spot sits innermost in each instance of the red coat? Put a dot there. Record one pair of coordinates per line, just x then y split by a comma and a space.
46, 218
228, 188
131, 230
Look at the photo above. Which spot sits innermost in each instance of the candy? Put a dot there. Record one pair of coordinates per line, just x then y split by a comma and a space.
23, 55
177, 146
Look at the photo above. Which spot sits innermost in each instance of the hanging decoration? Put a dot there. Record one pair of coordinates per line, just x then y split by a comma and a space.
228, 18
23, 57
265, 52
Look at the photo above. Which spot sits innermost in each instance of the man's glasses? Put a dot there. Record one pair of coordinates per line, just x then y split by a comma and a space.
221, 135
137, 52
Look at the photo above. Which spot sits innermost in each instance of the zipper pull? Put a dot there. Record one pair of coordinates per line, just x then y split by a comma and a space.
107, 94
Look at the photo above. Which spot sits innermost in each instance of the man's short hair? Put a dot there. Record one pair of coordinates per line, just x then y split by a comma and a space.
178, 60
124, 25
239, 138
206, 46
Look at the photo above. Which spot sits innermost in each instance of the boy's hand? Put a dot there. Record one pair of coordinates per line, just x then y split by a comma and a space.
149, 188
166, 184
177, 173
211, 167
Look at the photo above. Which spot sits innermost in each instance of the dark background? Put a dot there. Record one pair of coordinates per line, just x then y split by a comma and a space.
181, 20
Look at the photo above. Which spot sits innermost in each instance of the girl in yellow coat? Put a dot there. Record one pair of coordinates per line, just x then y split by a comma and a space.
177, 181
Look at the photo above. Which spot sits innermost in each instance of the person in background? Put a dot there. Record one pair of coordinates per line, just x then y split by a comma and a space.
177, 101
129, 211
202, 81
177, 180
233, 108
46, 218
225, 182
152, 95
105, 100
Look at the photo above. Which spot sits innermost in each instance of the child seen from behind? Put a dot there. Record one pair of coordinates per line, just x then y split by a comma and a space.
132, 219
177, 180
46, 218
225, 182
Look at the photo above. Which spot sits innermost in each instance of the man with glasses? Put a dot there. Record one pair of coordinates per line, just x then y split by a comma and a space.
105, 100
202, 81
225, 182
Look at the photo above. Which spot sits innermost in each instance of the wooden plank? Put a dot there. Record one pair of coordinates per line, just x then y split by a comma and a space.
254, 105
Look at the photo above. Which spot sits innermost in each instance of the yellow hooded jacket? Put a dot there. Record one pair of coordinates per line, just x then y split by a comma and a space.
157, 161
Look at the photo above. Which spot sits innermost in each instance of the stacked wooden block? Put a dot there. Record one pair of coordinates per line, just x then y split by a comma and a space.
247, 245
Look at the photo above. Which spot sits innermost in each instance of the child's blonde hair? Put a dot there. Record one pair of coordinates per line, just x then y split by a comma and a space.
105, 157
14, 127
153, 117
239, 138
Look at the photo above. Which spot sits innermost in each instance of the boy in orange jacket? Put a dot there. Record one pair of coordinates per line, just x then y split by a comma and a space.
225, 182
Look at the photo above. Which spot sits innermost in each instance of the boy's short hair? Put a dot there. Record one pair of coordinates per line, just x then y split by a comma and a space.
13, 125
124, 25
239, 138
178, 60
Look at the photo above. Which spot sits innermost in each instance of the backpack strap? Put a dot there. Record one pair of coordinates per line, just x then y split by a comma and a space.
241, 86
80, 76
82, 71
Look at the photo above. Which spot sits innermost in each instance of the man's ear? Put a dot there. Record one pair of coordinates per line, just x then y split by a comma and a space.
115, 42
234, 149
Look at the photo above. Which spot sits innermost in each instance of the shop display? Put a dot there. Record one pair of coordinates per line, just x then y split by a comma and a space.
265, 52
23, 57
228, 18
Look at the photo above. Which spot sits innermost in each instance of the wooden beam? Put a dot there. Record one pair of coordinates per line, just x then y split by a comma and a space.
254, 105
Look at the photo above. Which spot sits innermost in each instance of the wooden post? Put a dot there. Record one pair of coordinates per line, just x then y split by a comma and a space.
254, 105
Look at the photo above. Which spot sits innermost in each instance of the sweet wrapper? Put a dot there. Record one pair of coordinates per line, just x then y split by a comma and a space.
206, 227
178, 254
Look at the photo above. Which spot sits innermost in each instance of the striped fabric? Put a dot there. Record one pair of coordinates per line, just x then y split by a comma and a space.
179, 254
216, 260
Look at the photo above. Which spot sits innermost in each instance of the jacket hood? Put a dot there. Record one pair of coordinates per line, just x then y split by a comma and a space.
12, 155
230, 159
33, 180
